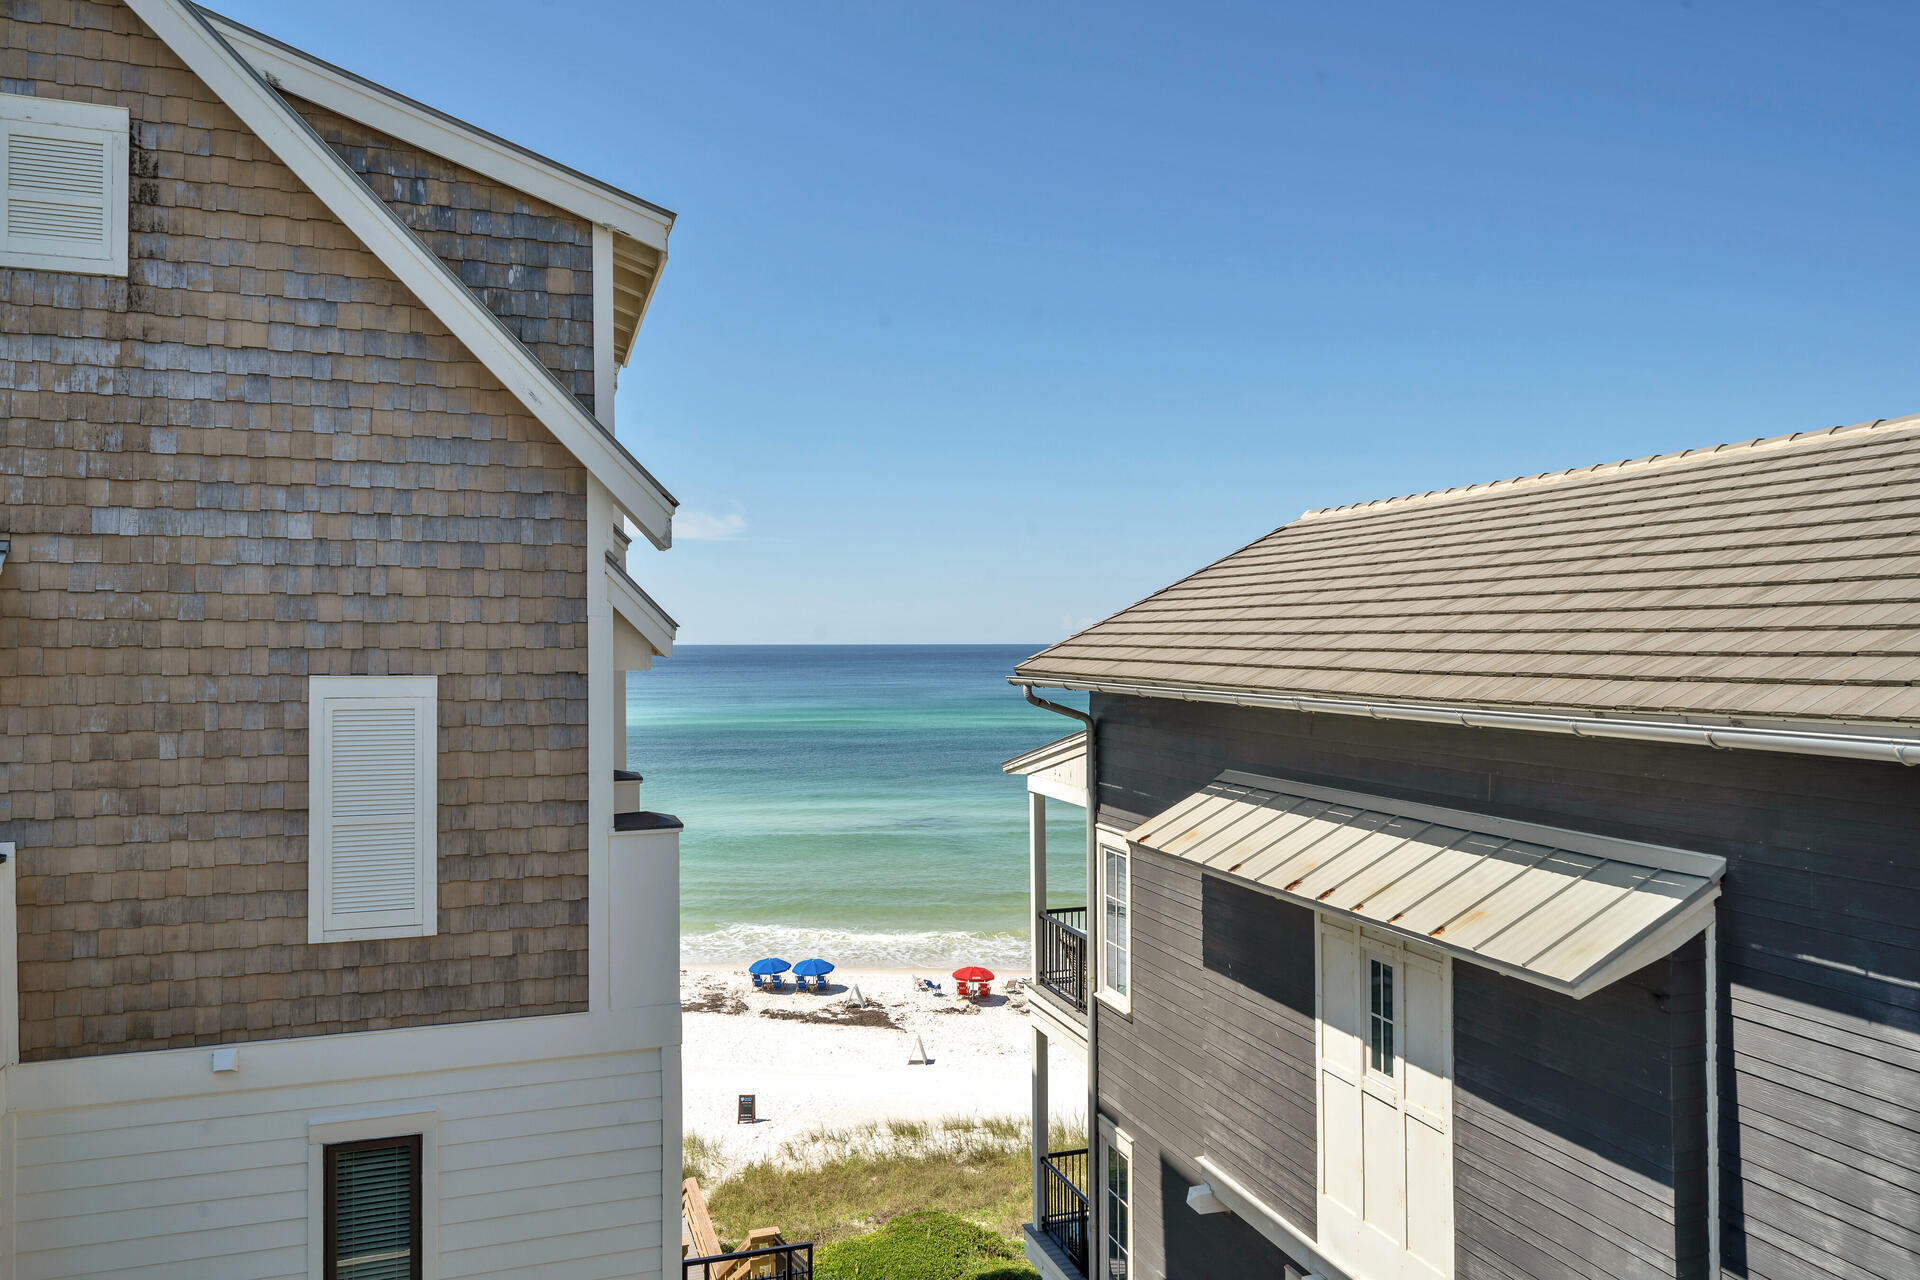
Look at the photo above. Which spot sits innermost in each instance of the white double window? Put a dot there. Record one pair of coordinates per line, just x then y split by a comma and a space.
372, 831
1116, 925
63, 185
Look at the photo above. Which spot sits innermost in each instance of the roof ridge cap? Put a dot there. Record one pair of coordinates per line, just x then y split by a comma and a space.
1600, 469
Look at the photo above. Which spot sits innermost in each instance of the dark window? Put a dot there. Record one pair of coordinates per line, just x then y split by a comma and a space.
1380, 1017
373, 1209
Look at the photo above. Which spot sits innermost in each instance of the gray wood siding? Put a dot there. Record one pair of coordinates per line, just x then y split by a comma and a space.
1208, 1246
1819, 955
1208, 1064
1577, 1126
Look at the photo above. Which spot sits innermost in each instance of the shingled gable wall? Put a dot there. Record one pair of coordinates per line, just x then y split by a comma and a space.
531, 263
256, 459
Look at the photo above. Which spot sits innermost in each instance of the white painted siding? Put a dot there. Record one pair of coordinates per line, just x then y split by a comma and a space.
547, 1167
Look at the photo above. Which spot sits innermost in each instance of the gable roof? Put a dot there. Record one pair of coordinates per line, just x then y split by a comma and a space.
192, 37
1772, 582
639, 227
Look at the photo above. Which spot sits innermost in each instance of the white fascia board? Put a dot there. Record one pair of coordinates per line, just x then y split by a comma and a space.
640, 611
399, 116
190, 36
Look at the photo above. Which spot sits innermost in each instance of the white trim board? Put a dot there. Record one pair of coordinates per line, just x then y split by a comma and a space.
9, 966
1269, 1222
192, 38
156, 1075
337, 89
639, 611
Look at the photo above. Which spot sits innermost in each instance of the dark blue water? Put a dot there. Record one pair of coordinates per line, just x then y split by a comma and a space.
847, 800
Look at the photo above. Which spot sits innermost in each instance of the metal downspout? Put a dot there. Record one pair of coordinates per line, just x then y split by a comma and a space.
1093, 948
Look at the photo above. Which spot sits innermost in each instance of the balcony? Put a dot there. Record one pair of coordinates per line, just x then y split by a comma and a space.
1064, 1217
1061, 938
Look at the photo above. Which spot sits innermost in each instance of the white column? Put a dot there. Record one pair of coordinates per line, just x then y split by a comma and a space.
1037, 869
1041, 1121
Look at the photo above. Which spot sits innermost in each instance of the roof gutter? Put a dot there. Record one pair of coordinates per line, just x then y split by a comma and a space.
1846, 746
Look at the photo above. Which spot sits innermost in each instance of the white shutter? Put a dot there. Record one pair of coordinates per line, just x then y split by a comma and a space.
63, 185
371, 781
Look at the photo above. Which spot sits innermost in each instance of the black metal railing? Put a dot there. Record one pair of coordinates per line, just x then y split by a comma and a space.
1065, 1219
1063, 954
780, 1262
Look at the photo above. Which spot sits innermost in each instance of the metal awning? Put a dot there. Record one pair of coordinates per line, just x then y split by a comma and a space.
1564, 909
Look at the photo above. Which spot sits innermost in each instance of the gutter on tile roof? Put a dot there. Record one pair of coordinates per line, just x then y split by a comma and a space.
1847, 746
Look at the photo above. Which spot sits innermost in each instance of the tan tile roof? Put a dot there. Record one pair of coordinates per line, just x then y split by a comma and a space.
1775, 579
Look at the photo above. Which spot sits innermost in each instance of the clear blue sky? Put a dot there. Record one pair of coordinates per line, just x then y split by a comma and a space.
986, 319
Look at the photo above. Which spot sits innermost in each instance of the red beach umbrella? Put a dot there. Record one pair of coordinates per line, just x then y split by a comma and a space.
973, 973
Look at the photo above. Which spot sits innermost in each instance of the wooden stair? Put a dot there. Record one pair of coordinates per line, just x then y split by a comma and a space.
699, 1240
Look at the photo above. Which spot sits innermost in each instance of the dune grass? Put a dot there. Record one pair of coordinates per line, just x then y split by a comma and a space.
838, 1184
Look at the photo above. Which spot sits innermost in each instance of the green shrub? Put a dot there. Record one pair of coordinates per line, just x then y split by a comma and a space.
928, 1245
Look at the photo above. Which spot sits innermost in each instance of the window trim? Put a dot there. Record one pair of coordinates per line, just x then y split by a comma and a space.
112, 124
421, 692
1113, 1138
1116, 999
373, 1123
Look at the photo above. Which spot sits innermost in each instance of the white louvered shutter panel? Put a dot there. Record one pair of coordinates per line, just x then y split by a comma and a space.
63, 185
374, 825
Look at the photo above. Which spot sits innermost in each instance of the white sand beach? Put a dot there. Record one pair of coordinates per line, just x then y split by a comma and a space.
822, 1062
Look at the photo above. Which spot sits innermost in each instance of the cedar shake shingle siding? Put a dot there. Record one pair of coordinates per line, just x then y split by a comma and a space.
256, 459
530, 263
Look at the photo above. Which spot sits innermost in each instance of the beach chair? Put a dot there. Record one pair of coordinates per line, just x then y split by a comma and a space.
759, 982
984, 990
964, 991
820, 984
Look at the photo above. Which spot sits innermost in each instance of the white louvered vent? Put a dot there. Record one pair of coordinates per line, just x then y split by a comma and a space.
372, 783
63, 185
376, 795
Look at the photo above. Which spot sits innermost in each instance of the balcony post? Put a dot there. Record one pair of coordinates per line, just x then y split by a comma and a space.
1041, 1124
1037, 873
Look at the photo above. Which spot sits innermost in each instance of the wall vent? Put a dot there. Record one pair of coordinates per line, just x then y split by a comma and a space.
63, 185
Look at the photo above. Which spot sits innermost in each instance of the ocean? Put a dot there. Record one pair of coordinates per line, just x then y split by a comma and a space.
846, 801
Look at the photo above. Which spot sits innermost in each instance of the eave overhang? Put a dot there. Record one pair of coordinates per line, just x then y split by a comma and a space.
1850, 743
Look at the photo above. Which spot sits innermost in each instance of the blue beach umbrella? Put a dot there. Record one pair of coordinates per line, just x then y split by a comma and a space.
772, 964
813, 968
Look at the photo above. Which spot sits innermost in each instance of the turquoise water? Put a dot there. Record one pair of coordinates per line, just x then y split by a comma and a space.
847, 800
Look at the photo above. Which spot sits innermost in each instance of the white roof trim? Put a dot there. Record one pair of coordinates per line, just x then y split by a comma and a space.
395, 114
269, 116
1059, 751
640, 611
1058, 769
1567, 910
